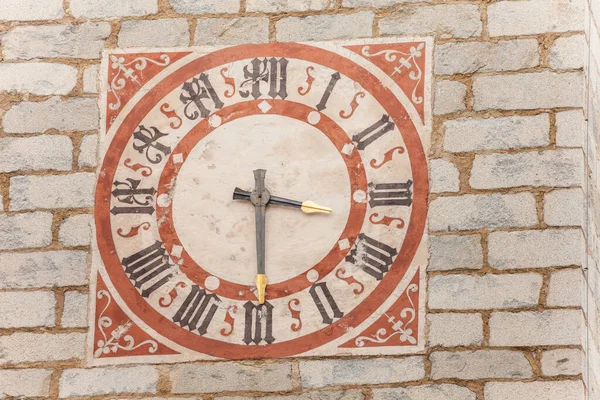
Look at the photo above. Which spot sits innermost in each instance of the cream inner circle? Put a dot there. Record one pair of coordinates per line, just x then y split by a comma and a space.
301, 163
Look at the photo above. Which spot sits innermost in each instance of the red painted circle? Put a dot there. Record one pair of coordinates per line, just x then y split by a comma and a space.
298, 111
213, 347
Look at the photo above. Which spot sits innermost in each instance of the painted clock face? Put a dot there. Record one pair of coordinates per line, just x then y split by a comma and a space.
343, 125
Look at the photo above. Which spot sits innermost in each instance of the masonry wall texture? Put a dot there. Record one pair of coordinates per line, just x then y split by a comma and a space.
514, 274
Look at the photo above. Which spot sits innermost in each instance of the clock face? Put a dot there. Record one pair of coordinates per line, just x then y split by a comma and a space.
176, 255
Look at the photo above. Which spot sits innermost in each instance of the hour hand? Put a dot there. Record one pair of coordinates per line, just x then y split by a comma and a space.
306, 206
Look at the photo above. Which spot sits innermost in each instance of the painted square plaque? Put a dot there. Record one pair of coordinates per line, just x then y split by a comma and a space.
261, 201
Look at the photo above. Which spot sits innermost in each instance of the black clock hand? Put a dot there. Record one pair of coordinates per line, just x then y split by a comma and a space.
260, 198
306, 206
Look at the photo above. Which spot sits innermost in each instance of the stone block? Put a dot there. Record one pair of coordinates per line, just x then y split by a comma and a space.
455, 329
476, 211
74, 114
443, 176
473, 292
52, 191
205, 6
225, 31
43, 269
448, 252
533, 328
75, 310
24, 347
52, 152
26, 230
553, 168
548, 390
76, 230
514, 132
562, 362
566, 288
449, 97
535, 249
530, 17
325, 27
471, 57
443, 391
109, 8
278, 6
88, 151
570, 128
101, 381
26, 309
567, 52
264, 378
173, 32
479, 364
444, 20
90, 78
55, 41
564, 207
527, 91
20, 383
31, 10
37, 78
321, 373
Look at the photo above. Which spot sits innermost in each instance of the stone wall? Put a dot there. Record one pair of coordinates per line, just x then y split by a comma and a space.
592, 110
508, 218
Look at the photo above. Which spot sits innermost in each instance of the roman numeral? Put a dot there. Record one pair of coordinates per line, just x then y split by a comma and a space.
390, 194
374, 132
332, 82
130, 193
196, 90
329, 312
372, 256
258, 323
148, 269
272, 71
197, 310
145, 140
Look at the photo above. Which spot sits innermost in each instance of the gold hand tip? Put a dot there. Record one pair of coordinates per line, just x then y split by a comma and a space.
312, 207
261, 281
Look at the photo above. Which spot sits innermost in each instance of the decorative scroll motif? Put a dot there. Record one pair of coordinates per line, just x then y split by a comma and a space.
303, 91
118, 338
398, 327
134, 230
126, 73
353, 106
171, 113
166, 301
146, 170
375, 220
387, 157
228, 81
229, 320
405, 61
294, 307
350, 280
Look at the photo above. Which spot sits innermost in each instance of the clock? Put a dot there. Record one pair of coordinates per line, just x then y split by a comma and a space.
261, 201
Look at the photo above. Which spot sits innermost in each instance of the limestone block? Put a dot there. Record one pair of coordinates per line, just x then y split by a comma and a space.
43, 269
515, 132
464, 292
54, 41
36, 153
37, 78
325, 27
19, 231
